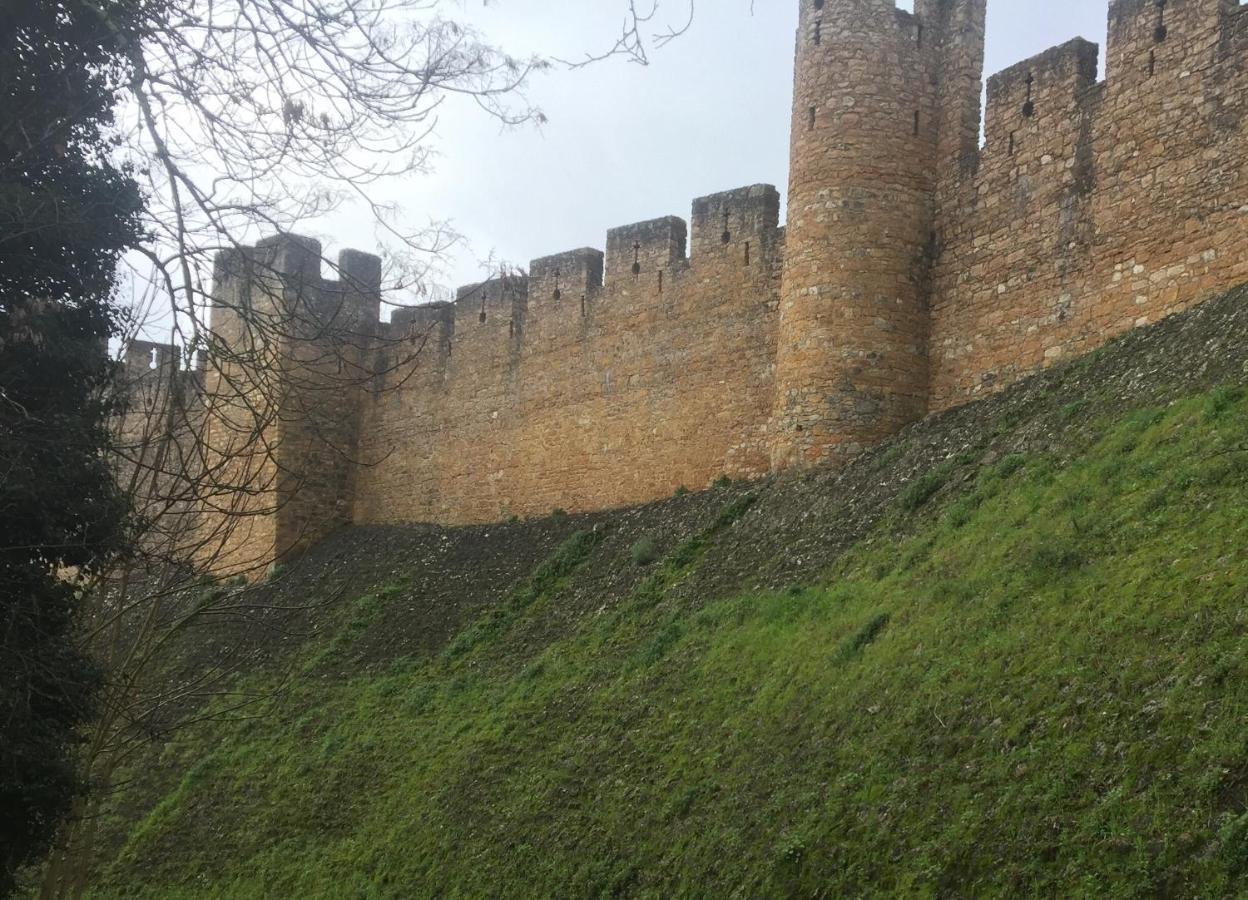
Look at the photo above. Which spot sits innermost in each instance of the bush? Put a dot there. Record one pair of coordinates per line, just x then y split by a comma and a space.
864, 636
681, 491
1052, 558
1010, 464
922, 489
645, 552
1221, 400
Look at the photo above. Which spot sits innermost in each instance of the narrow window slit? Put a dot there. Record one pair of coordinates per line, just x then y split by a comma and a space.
660, 281
1152, 63
916, 123
1013, 143
582, 306
747, 253
810, 122
1161, 32
1029, 107
558, 293
918, 37
726, 237
818, 32
636, 260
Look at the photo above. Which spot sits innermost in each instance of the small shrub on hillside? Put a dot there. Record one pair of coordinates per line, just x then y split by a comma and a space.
1233, 841
661, 644
645, 551
1053, 557
864, 636
1010, 464
733, 511
922, 489
1158, 499
953, 591
963, 511
723, 481
791, 850
891, 455
1222, 400
558, 513
681, 491
1072, 410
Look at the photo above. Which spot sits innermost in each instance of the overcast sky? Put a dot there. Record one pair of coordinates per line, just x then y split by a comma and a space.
626, 142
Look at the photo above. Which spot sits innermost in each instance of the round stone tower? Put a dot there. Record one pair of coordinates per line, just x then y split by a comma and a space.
852, 355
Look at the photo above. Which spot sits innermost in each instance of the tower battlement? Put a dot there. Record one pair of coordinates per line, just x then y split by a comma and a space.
918, 269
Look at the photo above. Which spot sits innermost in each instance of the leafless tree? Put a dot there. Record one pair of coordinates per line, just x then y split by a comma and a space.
643, 28
246, 118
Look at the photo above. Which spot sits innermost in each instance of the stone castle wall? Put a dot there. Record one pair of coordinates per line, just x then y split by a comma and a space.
917, 271
571, 390
1096, 207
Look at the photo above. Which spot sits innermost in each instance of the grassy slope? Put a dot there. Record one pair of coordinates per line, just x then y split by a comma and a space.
1034, 681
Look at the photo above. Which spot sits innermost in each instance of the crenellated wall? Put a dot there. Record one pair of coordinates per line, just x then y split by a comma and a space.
918, 270
565, 390
1096, 207
284, 388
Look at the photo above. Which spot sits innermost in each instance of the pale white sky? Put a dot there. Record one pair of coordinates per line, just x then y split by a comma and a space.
626, 142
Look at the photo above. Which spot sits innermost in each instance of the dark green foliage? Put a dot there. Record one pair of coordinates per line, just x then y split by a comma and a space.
888, 457
923, 488
1010, 464
864, 635
1050, 558
723, 481
661, 644
681, 491
1223, 399
645, 551
1072, 411
47, 689
66, 215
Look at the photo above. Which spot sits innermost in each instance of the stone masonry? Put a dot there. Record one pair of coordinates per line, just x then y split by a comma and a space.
918, 270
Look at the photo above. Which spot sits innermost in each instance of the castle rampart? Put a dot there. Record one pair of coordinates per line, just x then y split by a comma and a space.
1095, 207
917, 271
580, 392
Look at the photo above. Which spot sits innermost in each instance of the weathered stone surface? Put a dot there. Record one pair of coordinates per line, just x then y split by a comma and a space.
918, 271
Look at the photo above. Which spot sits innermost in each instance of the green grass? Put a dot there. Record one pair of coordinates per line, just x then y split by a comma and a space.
1038, 687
